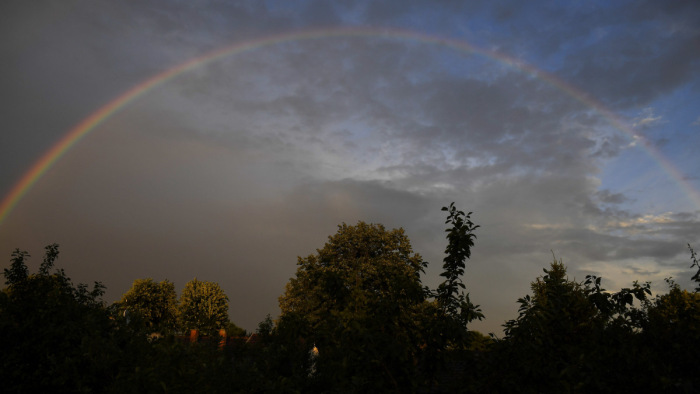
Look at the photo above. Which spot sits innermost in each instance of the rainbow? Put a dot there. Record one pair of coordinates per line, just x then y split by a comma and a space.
41, 166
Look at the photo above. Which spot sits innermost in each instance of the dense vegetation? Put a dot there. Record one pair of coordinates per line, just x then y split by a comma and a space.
355, 318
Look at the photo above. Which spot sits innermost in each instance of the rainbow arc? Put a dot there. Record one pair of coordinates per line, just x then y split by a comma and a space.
89, 124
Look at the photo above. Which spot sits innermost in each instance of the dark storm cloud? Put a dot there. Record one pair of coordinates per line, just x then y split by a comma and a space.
608, 197
599, 246
632, 65
618, 57
67, 58
638, 79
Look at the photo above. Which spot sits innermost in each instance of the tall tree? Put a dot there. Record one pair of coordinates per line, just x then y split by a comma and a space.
361, 297
154, 303
694, 259
454, 308
54, 336
203, 306
548, 341
671, 333
570, 334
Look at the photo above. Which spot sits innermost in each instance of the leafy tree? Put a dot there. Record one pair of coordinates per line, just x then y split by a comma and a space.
155, 303
285, 359
233, 330
360, 297
678, 307
18, 272
696, 276
54, 336
479, 342
203, 306
445, 319
671, 336
450, 296
545, 344
454, 308
569, 335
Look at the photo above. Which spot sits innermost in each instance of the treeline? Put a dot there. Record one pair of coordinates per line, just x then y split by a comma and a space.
203, 306
355, 318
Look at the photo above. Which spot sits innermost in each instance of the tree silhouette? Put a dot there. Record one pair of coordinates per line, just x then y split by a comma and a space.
155, 303
362, 297
203, 306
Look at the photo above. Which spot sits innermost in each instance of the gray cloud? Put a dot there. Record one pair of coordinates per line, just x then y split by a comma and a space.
608, 197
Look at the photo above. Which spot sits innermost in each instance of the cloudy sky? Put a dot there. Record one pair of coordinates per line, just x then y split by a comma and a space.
570, 128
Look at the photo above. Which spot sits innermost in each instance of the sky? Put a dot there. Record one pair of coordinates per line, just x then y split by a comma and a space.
223, 139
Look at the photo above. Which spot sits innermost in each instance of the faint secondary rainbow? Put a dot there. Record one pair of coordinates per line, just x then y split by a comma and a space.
40, 167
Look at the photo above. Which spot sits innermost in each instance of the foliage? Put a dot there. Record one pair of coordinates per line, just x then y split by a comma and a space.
18, 272
570, 335
444, 321
155, 303
478, 342
671, 333
455, 308
233, 330
54, 336
203, 306
285, 360
355, 318
544, 343
449, 295
696, 276
677, 308
360, 297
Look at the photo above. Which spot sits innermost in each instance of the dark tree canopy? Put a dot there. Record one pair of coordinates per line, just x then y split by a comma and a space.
155, 303
203, 306
361, 296
355, 318
364, 262
53, 334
